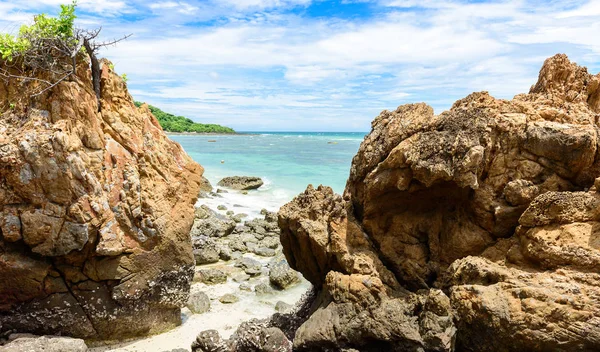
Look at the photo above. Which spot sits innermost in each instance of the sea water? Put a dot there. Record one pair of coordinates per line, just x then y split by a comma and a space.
286, 161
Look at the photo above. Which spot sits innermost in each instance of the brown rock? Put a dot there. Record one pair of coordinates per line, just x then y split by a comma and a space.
95, 213
489, 201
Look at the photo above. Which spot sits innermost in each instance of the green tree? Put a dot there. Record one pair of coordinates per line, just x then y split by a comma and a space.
172, 123
53, 45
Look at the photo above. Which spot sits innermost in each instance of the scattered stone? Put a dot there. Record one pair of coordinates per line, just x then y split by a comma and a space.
270, 242
264, 251
239, 217
282, 276
212, 224
225, 253
263, 211
241, 182
271, 217
229, 299
245, 286
236, 244
263, 289
205, 185
206, 250
222, 207
283, 307
211, 276
209, 341
241, 277
248, 237
219, 190
198, 303
245, 193
230, 212
250, 266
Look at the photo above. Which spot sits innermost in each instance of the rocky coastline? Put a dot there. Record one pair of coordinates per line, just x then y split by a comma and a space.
472, 230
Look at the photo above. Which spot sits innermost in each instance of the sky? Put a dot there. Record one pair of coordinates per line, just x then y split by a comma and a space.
314, 65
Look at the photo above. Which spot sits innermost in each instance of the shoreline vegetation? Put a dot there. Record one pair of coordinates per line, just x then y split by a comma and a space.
179, 124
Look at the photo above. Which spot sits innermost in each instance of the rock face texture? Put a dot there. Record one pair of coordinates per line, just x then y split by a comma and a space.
95, 213
474, 230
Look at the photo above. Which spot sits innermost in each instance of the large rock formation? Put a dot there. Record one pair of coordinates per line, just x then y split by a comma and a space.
474, 230
95, 212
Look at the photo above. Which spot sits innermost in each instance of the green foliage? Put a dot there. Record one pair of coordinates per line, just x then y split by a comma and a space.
124, 77
172, 123
11, 46
43, 28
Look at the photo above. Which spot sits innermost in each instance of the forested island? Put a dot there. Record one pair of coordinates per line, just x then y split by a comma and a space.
172, 123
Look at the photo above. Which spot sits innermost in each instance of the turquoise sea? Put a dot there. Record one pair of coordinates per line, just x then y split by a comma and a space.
286, 161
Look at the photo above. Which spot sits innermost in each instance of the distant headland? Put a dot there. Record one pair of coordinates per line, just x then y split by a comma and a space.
181, 124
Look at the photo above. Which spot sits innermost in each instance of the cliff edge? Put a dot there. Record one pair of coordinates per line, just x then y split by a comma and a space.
95, 212
474, 230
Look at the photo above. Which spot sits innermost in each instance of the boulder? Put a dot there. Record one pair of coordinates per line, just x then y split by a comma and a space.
229, 299
209, 223
206, 250
472, 230
242, 183
96, 205
263, 289
250, 266
198, 302
282, 276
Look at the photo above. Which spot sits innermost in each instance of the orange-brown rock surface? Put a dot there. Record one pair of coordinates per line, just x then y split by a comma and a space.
95, 213
474, 230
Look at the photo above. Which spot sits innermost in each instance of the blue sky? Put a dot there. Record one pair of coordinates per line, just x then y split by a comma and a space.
312, 65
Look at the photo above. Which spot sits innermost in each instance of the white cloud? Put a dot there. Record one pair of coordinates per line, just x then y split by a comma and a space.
257, 63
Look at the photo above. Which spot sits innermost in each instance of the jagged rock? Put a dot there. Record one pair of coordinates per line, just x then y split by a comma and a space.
206, 250
241, 182
282, 276
493, 201
211, 276
95, 210
30, 343
229, 299
198, 303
